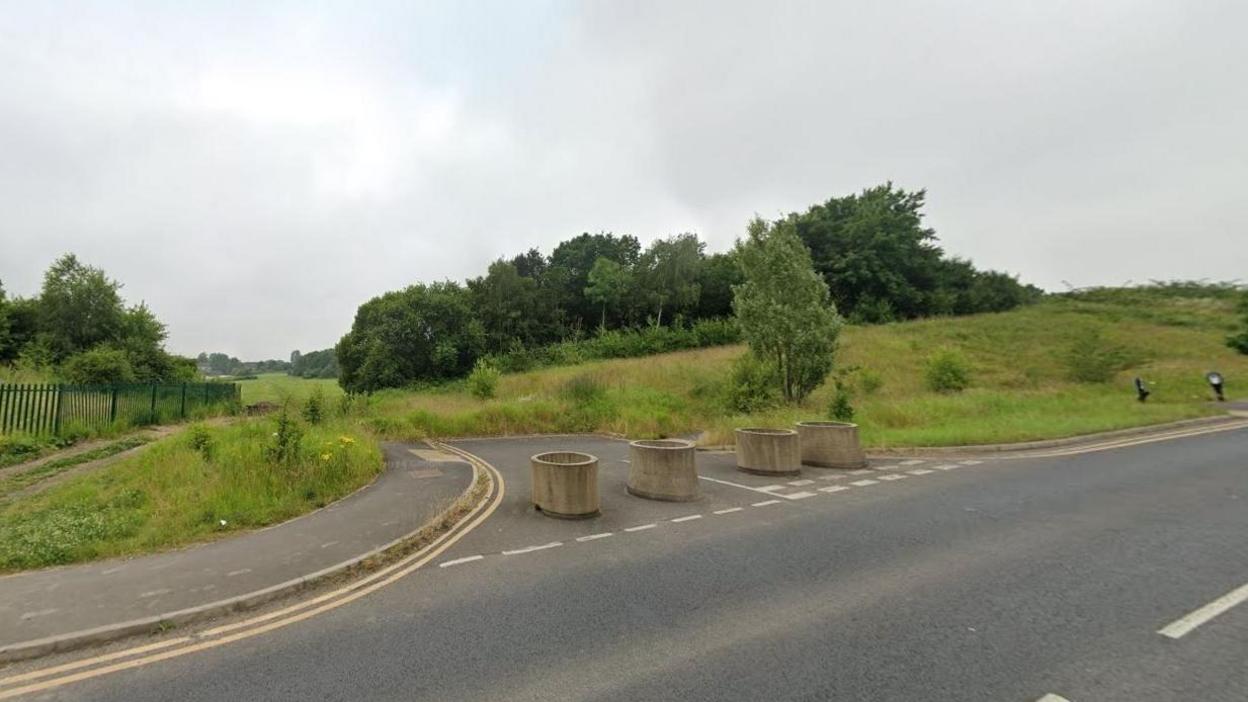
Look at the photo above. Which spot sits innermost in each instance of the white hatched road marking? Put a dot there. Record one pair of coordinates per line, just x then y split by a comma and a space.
764, 503
730, 510
799, 495
531, 549
458, 561
1185, 624
800, 483
920, 471
894, 476
689, 518
764, 490
593, 537
912, 462
864, 483
947, 466
834, 488
643, 527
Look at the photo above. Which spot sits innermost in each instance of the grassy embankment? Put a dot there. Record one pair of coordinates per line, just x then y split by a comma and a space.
182, 489
279, 387
1020, 389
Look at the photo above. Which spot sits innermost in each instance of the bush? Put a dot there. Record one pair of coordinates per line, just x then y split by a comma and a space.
314, 406
99, 366
841, 409
753, 385
947, 371
200, 439
483, 380
1090, 359
284, 449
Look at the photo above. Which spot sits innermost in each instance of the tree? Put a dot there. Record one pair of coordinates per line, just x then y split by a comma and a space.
571, 262
669, 273
609, 283
100, 366
716, 278
424, 332
784, 309
314, 364
79, 307
5, 341
512, 308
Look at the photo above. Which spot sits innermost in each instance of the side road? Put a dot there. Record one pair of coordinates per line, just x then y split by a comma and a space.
55, 609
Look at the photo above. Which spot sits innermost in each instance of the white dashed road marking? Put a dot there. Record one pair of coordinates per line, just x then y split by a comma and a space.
730, 510
920, 471
156, 593
643, 527
531, 549
799, 495
764, 503
893, 476
1190, 621
863, 471
689, 518
834, 488
457, 561
241, 571
594, 537
947, 466
912, 462
971, 463
40, 613
864, 483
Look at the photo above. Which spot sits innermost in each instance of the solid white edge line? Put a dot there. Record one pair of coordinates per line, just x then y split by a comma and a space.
1185, 624
457, 561
531, 549
686, 519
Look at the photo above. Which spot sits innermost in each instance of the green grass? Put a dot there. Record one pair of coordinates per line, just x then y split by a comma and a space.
25, 478
181, 489
279, 387
1019, 385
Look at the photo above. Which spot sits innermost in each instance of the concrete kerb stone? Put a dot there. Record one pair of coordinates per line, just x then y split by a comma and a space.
71, 641
663, 469
768, 451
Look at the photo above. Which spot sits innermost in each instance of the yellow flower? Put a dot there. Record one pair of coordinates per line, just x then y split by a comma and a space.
326, 456
346, 440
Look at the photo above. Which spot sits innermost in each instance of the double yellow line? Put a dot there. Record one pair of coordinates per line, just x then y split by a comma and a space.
56, 676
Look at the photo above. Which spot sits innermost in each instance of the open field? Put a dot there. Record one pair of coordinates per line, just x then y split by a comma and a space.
278, 387
205, 482
1019, 390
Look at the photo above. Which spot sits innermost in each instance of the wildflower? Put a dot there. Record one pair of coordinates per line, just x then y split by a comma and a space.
326, 456
346, 440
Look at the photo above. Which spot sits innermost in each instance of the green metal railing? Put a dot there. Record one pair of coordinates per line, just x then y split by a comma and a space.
49, 409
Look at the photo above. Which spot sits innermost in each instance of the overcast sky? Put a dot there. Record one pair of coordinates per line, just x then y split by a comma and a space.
255, 173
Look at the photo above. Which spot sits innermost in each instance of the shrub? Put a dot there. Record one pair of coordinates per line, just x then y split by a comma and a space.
99, 366
1090, 359
285, 447
753, 385
1239, 341
483, 380
314, 406
841, 409
871, 381
200, 439
947, 371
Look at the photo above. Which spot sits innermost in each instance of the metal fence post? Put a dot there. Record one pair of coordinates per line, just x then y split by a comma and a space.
183, 413
56, 422
152, 418
112, 407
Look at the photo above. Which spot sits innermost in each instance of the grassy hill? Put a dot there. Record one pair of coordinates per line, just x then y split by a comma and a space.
1020, 386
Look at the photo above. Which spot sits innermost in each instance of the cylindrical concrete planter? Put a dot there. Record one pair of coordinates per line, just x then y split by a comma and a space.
662, 469
831, 445
565, 484
768, 451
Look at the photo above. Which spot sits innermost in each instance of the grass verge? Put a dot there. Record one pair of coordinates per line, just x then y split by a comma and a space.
20, 481
198, 485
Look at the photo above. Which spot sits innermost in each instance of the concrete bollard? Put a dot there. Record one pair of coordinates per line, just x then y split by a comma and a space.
662, 469
831, 445
768, 451
565, 484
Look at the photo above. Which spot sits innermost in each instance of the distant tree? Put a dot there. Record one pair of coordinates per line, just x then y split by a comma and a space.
609, 284
716, 278
79, 307
1239, 341
669, 273
5, 341
315, 364
294, 358
513, 309
571, 262
784, 309
424, 332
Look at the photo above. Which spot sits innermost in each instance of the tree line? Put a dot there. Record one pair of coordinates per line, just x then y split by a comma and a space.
78, 329
871, 249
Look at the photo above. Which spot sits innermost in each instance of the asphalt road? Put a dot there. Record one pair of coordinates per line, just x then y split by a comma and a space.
1003, 580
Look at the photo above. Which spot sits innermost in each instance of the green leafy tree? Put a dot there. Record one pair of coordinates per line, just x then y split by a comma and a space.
513, 309
570, 264
784, 309
99, 366
716, 278
79, 307
609, 284
669, 273
1239, 341
424, 332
